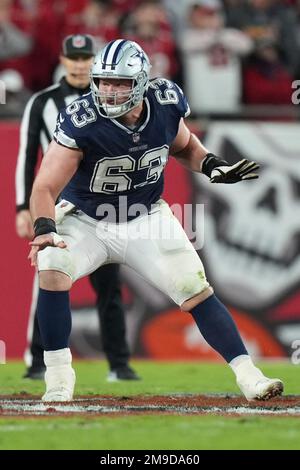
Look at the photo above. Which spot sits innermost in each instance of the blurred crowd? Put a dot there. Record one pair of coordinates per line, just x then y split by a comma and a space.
223, 53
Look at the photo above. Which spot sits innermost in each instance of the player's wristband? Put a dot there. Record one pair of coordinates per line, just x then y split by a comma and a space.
42, 225
210, 162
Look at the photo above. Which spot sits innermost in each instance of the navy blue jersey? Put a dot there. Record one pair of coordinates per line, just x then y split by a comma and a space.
121, 166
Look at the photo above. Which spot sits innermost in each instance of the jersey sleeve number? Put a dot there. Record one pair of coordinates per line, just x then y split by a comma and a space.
111, 174
86, 117
167, 96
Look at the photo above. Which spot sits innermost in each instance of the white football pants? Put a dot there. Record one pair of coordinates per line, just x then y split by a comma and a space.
154, 245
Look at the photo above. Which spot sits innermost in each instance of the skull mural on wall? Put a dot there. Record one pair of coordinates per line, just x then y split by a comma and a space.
252, 229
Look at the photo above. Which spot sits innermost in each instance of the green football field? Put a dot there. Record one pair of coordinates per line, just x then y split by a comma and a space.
150, 432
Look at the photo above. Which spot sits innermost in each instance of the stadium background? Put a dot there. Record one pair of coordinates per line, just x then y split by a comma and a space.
251, 233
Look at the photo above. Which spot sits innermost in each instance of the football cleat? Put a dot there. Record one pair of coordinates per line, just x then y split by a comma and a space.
261, 389
35, 373
60, 383
122, 373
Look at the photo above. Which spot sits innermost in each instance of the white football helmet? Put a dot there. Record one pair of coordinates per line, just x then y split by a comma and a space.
121, 59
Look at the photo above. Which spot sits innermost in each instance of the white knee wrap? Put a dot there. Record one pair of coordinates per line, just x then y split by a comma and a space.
56, 259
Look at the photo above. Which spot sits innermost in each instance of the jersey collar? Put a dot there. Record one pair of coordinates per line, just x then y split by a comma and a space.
140, 127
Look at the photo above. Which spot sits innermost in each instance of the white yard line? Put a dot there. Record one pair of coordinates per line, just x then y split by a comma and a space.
32, 407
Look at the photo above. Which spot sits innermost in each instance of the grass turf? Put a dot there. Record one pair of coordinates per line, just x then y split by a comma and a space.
150, 432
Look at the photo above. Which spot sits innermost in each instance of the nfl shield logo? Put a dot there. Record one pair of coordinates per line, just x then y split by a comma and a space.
78, 41
136, 137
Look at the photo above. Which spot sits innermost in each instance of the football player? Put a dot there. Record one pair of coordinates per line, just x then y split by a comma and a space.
107, 158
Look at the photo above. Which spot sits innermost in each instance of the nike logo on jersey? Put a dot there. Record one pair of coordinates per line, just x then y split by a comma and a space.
61, 118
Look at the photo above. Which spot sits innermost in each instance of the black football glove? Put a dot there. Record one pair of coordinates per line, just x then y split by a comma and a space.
240, 171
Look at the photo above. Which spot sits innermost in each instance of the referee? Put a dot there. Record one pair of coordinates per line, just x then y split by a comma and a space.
37, 127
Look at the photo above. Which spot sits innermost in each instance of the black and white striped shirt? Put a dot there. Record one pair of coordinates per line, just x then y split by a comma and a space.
37, 127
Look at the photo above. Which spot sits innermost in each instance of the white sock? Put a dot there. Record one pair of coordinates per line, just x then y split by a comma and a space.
60, 357
243, 366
